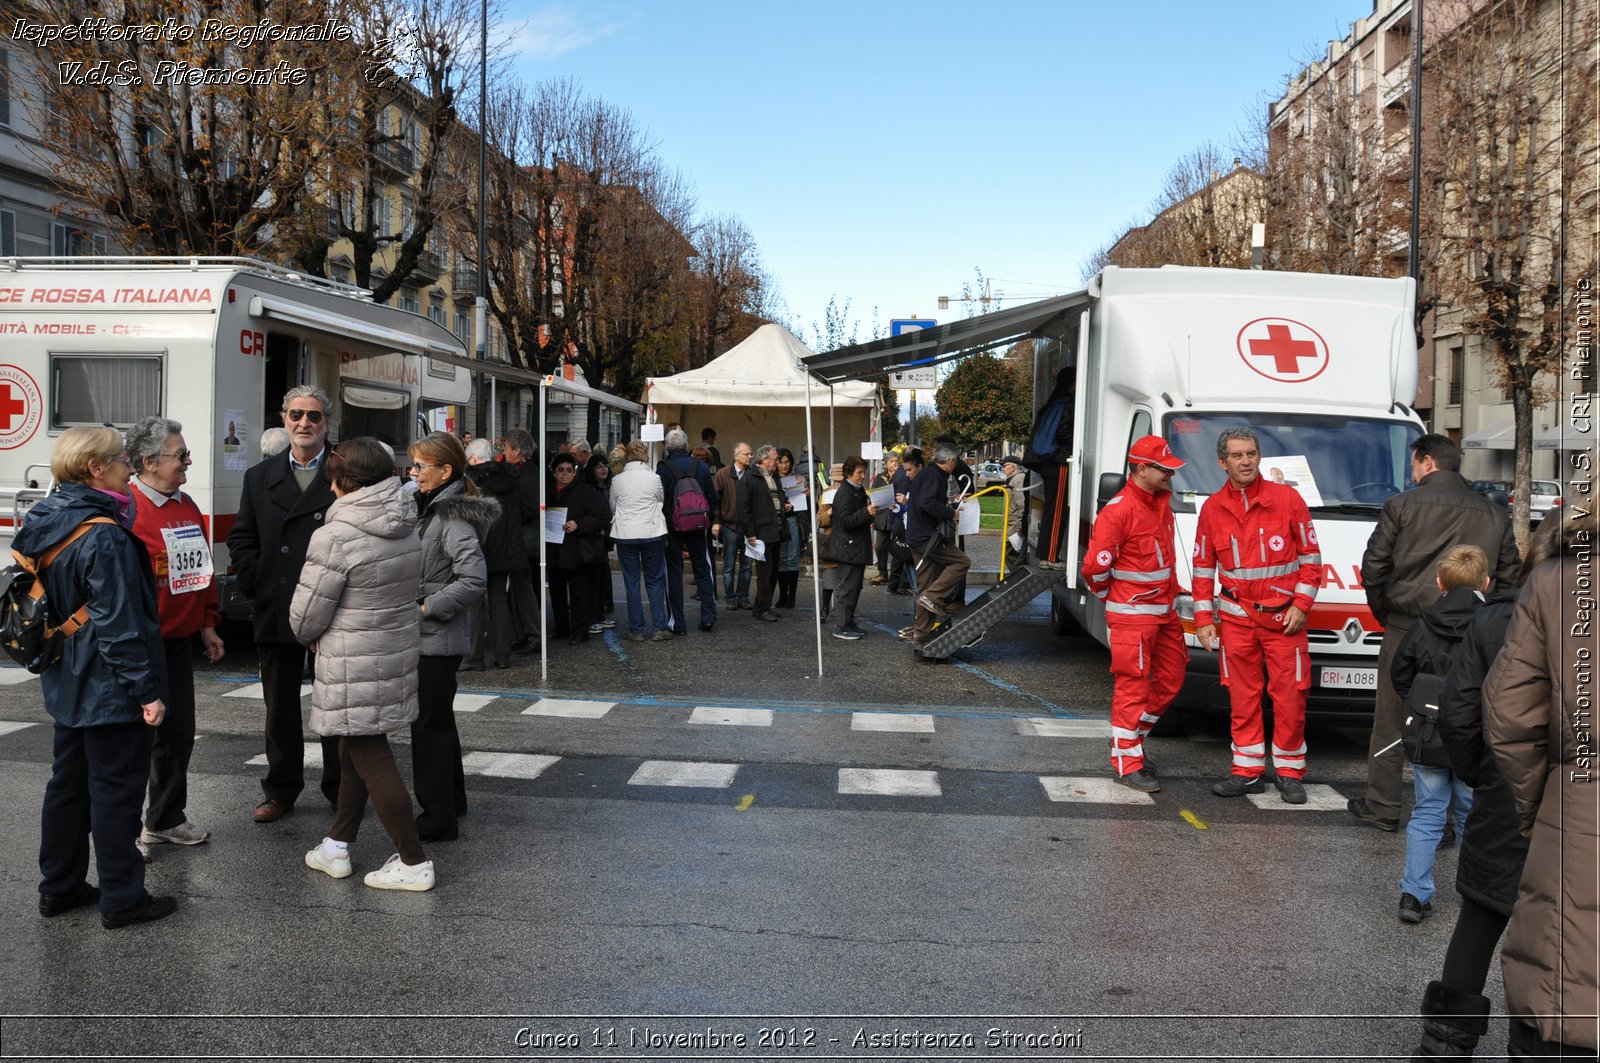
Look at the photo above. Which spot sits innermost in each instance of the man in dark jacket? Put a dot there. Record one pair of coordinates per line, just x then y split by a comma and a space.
1415, 530
522, 454
735, 562
283, 502
510, 585
927, 509
678, 465
761, 509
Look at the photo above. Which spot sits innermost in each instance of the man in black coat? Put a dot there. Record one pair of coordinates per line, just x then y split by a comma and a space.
761, 510
283, 503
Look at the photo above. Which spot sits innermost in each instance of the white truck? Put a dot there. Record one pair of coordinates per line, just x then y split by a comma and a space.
1323, 368
213, 344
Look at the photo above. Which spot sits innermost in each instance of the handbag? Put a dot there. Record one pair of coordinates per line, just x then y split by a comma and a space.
591, 549
1420, 737
899, 549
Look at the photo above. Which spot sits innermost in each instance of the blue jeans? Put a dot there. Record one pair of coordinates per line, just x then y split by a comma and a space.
735, 568
634, 553
1435, 786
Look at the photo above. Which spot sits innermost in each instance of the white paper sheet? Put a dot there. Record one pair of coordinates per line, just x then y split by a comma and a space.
798, 500
969, 519
827, 497
555, 524
652, 433
882, 497
755, 549
872, 451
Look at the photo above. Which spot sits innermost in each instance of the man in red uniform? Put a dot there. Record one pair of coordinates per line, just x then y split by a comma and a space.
1256, 564
1129, 567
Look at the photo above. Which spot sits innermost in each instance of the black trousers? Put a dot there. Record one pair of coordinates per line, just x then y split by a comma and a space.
436, 773
846, 592
96, 789
880, 542
282, 670
173, 741
766, 580
572, 604
510, 597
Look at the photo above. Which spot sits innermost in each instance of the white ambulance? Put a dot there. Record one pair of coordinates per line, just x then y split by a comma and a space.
1322, 368
210, 343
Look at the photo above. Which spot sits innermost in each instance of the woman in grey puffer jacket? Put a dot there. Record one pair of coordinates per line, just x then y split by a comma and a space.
453, 518
356, 607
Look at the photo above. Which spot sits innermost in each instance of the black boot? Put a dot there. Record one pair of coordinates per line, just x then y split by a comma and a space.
1452, 1022
787, 582
827, 603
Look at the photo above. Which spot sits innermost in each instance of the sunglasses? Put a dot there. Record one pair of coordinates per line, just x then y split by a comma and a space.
182, 455
314, 416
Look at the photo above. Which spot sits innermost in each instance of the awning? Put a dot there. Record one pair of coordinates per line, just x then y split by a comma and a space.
1573, 435
1491, 437
943, 342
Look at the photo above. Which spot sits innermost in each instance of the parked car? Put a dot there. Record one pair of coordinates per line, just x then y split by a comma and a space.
1494, 490
989, 472
1544, 497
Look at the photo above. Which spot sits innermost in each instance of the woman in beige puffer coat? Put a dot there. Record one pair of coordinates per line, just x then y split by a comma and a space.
1538, 719
356, 606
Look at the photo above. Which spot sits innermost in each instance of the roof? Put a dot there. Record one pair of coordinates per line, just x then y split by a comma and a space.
931, 346
767, 369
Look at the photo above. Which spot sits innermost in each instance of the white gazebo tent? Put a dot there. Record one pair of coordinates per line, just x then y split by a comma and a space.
757, 392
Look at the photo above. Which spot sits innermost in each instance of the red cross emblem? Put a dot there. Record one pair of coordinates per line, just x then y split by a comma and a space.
20, 407
1283, 350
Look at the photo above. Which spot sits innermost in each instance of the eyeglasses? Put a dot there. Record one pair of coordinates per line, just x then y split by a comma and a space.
314, 416
566, 470
419, 466
182, 455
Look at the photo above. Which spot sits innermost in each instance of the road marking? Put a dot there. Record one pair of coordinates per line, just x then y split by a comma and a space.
696, 773
576, 710
10, 726
732, 717
744, 803
1044, 727
889, 782
507, 765
256, 690
1095, 791
1193, 820
1319, 798
912, 722
313, 756
10, 677
472, 702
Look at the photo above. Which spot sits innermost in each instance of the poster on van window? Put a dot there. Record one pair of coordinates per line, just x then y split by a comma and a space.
1293, 470
235, 455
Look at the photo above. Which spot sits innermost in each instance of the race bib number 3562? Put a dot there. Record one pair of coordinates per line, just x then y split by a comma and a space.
188, 559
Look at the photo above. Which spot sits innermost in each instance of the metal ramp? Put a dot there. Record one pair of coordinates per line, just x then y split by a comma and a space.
1021, 586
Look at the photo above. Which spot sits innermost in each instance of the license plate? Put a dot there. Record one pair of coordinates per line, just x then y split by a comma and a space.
1353, 678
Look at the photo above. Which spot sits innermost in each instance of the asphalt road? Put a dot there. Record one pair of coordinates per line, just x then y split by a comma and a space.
688, 844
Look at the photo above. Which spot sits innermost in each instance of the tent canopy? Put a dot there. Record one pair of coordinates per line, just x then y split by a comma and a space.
756, 392
1499, 436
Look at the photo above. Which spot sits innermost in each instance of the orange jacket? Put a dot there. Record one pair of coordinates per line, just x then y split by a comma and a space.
1255, 546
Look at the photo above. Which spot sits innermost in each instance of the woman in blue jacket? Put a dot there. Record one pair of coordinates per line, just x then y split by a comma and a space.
107, 691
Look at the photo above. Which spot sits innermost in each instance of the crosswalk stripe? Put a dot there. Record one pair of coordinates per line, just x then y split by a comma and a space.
576, 710
10, 726
256, 690
889, 782
10, 677
1320, 797
732, 717
1048, 727
704, 774
911, 722
507, 765
1101, 791
472, 702
313, 756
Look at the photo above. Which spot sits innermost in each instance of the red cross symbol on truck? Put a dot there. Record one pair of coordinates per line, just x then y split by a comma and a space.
1283, 350
11, 407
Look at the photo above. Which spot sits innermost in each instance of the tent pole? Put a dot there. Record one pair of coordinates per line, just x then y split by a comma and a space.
544, 585
832, 446
816, 552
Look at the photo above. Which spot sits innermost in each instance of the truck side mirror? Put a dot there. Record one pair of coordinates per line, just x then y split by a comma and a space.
1110, 484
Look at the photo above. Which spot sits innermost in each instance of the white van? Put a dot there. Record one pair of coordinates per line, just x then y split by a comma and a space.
213, 344
1323, 368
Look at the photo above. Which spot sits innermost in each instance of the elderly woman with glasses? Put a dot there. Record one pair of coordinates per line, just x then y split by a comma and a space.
169, 524
107, 692
573, 602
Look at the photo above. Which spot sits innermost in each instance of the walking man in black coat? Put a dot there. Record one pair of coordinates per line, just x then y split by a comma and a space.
283, 502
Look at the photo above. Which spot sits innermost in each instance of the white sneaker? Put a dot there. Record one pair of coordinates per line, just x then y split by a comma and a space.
185, 833
333, 867
395, 875
596, 629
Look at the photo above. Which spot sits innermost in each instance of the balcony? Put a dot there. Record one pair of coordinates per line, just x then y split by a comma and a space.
429, 266
397, 157
464, 281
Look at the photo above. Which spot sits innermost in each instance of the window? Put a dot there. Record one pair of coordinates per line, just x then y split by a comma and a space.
1458, 372
436, 312
8, 232
104, 389
70, 240
408, 300
463, 329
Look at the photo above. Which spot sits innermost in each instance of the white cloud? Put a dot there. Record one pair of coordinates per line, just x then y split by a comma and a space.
553, 31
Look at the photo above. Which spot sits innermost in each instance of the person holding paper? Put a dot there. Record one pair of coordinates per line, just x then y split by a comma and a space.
735, 562
572, 602
883, 521
850, 545
761, 512
1017, 516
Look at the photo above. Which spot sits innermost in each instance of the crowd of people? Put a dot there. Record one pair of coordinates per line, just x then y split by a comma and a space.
396, 576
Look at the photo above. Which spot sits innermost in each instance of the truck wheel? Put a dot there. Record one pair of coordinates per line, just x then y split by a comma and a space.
1061, 621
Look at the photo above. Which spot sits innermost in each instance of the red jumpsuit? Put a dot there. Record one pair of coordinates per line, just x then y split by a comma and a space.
1129, 567
1255, 555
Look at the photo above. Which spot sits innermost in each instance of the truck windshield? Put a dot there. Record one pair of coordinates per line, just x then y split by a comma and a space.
1352, 463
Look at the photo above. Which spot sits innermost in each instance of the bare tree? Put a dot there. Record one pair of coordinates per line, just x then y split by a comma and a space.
1203, 216
732, 286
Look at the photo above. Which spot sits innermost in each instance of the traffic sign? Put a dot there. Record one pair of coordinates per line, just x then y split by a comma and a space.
925, 378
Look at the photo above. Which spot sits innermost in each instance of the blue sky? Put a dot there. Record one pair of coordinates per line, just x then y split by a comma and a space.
882, 152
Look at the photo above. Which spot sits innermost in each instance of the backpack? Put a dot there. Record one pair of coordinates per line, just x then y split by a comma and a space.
690, 510
1420, 737
25, 630
1046, 440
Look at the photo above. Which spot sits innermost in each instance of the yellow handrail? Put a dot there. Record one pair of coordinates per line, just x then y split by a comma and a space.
1005, 519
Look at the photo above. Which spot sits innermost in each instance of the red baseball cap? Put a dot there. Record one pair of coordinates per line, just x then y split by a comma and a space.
1153, 450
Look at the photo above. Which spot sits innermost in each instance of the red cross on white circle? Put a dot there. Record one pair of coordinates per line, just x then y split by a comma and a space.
1282, 349
21, 408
